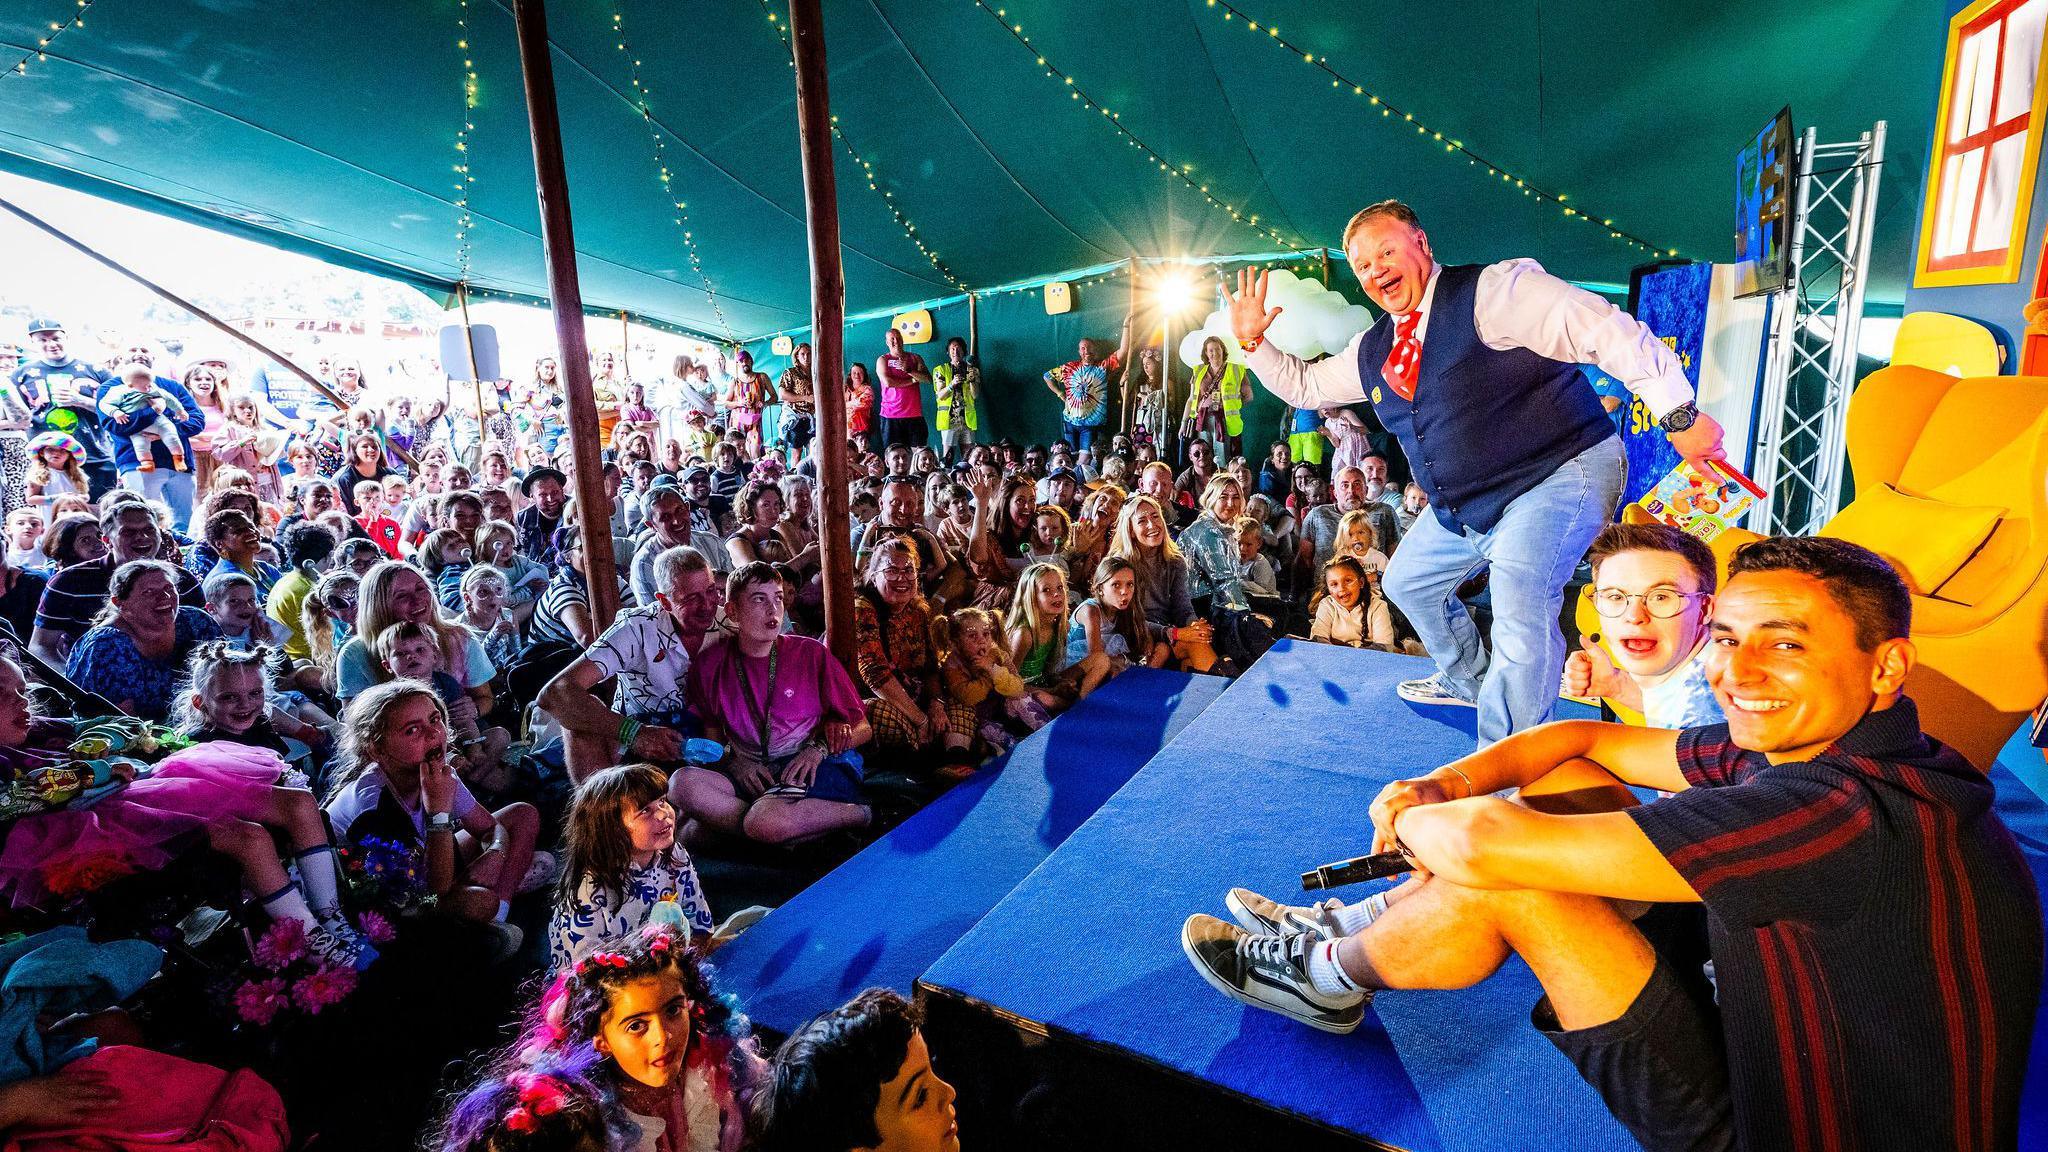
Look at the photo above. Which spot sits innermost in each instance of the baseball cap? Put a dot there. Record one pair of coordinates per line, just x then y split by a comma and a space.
44, 324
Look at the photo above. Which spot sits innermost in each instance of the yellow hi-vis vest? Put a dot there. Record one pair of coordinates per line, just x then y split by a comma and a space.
942, 386
1231, 387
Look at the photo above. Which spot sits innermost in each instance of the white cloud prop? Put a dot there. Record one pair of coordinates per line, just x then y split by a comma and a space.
1313, 320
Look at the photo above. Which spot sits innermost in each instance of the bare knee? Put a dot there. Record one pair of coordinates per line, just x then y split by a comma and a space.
770, 823
521, 820
237, 837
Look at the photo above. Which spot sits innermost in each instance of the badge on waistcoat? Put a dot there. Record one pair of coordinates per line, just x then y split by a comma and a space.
1375, 393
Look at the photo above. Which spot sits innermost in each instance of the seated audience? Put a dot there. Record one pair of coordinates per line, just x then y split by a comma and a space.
898, 666
791, 770
1110, 627
75, 597
136, 649
393, 782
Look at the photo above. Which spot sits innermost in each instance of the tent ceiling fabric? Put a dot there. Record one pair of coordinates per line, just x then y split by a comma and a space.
330, 128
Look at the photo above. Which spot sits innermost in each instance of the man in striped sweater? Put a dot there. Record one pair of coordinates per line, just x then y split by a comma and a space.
1875, 932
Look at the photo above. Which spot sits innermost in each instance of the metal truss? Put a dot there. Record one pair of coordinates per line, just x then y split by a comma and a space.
1810, 368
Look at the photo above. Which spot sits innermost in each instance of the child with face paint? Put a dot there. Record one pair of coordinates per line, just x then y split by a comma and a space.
1653, 586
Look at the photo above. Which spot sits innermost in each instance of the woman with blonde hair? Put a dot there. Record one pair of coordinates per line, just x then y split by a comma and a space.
393, 593
1142, 538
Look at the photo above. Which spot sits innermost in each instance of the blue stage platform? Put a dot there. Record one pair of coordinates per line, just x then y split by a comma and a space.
1272, 779
884, 916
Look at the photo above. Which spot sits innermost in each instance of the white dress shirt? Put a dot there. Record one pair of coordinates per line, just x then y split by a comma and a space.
1515, 305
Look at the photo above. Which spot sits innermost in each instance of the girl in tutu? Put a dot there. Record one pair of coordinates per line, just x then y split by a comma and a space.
674, 1054
75, 816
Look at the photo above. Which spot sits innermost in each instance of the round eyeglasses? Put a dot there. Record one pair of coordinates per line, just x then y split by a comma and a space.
1663, 603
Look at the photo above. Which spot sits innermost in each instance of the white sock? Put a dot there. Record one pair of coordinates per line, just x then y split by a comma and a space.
1326, 974
1353, 918
286, 902
504, 910
322, 881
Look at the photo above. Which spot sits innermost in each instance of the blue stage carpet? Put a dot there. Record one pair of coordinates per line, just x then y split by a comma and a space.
884, 916
1276, 777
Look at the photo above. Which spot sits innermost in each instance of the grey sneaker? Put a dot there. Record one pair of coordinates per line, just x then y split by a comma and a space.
539, 874
1262, 917
1269, 972
1432, 691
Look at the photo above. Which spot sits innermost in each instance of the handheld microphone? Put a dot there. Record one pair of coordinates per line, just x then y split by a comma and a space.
1357, 870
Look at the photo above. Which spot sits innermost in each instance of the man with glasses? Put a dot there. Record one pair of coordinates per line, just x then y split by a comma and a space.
1654, 589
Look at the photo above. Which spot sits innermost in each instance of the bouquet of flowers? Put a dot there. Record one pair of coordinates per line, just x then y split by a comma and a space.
387, 874
287, 978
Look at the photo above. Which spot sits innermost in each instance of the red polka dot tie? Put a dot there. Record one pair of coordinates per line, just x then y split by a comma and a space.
1406, 358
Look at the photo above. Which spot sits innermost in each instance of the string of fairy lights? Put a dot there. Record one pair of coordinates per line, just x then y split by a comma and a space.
1184, 173
41, 52
643, 98
867, 168
465, 180
1451, 146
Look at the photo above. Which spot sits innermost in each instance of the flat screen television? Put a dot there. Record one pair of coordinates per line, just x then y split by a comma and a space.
1763, 208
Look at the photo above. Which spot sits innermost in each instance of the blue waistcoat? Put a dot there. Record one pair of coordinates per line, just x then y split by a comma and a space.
1484, 426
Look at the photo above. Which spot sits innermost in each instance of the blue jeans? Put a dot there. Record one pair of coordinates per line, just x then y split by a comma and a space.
1532, 551
1080, 436
172, 487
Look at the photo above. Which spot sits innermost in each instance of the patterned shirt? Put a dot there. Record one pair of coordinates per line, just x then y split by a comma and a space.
105, 660
894, 643
1087, 390
599, 916
645, 652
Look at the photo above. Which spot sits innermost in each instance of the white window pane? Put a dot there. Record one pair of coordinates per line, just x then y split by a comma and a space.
2001, 192
1958, 202
1982, 80
2022, 60
1969, 58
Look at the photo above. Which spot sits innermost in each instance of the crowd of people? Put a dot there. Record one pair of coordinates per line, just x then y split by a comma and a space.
344, 640
347, 652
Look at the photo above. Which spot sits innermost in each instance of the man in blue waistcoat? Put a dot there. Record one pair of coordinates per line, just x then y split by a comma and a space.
1475, 368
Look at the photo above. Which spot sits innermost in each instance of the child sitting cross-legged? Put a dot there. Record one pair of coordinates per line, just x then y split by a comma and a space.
622, 866
1037, 636
229, 696
392, 782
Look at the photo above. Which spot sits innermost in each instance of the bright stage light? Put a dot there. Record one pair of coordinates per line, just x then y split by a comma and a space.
1173, 292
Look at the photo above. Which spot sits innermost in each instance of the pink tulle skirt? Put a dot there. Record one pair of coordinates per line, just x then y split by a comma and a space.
144, 826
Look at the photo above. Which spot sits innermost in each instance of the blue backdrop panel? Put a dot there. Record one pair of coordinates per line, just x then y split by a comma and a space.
1274, 779
2026, 813
883, 917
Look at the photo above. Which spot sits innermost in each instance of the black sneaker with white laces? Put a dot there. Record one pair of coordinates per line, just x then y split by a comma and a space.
1262, 917
1269, 972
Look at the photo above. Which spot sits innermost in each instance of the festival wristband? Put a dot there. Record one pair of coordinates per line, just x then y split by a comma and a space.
441, 822
1252, 345
629, 731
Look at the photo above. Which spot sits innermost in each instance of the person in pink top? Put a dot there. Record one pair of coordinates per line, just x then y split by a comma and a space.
901, 375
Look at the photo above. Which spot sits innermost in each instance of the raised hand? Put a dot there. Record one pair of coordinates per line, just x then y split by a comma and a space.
1589, 672
1249, 316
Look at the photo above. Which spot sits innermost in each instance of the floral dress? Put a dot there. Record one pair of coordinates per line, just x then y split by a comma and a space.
106, 661
598, 916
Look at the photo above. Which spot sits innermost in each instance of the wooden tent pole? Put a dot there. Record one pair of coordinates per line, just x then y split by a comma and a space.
828, 318
625, 347
1324, 253
565, 300
178, 301
1128, 415
973, 327
475, 373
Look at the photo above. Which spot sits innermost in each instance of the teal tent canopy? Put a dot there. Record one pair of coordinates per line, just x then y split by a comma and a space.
969, 159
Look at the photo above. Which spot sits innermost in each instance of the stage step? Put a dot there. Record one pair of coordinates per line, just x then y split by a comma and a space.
882, 917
